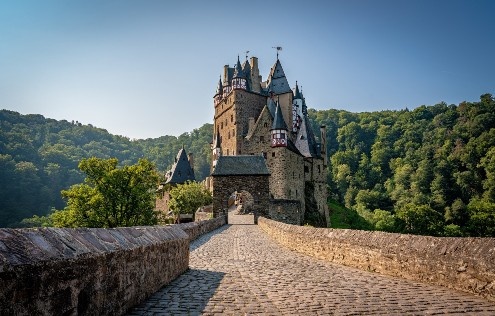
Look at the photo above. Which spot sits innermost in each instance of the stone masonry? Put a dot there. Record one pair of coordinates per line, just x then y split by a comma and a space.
465, 264
239, 270
91, 271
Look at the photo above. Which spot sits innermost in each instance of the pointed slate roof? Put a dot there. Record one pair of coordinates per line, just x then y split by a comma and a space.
181, 170
305, 139
297, 94
247, 74
272, 106
219, 86
240, 166
277, 80
216, 143
238, 73
278, 119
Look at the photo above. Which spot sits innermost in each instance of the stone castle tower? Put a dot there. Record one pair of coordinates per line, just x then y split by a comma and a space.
268, 118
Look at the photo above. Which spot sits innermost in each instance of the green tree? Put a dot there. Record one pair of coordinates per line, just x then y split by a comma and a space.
186, 198
110, 196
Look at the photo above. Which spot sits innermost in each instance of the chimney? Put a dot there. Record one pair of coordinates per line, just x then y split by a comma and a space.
226, 75
255, 75
191, 160
323, 148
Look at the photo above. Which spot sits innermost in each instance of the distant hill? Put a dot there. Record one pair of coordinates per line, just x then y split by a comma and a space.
39, 158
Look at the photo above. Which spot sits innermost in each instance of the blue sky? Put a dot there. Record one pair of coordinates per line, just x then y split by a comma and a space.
149, 68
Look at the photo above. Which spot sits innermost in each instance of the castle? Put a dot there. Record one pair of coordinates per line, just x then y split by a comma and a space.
265, 123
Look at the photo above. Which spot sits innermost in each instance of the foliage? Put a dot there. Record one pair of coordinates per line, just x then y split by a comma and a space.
110, 196
389, 168
188, 197
39, 158
428, 171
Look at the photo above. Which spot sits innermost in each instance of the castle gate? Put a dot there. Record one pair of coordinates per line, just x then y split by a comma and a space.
241, 173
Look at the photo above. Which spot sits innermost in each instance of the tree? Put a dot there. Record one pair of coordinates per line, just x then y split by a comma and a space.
110, 196
186, 198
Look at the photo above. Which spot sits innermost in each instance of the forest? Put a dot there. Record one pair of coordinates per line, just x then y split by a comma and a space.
427, 171
39, 158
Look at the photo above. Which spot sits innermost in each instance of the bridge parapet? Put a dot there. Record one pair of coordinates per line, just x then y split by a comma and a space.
90, 271
466, 264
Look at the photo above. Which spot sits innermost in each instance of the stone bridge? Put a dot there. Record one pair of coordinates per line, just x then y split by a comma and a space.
246, 269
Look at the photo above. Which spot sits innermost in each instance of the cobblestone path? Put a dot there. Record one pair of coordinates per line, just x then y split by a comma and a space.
238, 270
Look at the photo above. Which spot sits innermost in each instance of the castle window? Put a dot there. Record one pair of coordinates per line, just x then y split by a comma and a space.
221, 125
306, 169
262, 139
229, 138
233, 132
319, 171
232, 118
273, 154
227, 151
264, 154
266, 124
296, 193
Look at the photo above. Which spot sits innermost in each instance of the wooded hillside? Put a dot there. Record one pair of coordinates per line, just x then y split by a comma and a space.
426, 171
39, 158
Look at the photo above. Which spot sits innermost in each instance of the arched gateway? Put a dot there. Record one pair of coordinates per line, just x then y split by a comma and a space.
241, 173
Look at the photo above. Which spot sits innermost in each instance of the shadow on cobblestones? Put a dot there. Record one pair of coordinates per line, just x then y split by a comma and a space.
187, 295
206, 237
238, 270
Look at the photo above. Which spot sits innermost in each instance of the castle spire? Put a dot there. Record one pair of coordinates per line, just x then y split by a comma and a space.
238, 73
297, 94
279, 129
239, 79
219, 86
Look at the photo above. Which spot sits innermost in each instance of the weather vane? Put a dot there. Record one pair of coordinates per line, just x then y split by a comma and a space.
247, 52
278, 48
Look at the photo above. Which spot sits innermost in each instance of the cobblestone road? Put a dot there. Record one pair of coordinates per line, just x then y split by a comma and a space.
238, 270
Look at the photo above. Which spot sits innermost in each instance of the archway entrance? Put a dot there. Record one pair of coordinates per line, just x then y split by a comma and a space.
241, 210
238, 174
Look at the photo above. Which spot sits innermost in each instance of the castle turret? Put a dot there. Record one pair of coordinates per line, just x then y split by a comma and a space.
279, 129
226, 80
296, 106
246, 69
239, 79
217, 151
219, 92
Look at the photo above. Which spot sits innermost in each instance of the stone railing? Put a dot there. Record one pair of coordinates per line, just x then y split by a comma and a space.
466, 264
90, 271
196, 229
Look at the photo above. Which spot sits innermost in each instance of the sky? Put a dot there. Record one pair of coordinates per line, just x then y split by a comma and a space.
145, 69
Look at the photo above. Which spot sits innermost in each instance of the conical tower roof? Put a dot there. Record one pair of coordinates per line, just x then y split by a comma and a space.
297, 94
238, 73
216, 143
277, 80
181, 170
278, 120
219, 86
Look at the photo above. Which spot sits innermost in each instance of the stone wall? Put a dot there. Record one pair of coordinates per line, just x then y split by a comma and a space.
465, 264
287, 211
91, 271
256, 185
86, 271
196, 229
